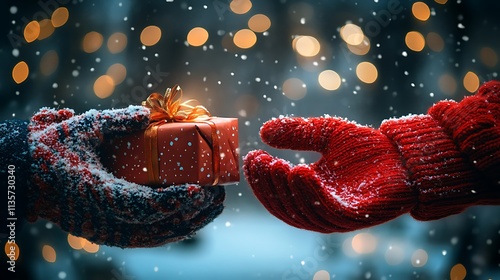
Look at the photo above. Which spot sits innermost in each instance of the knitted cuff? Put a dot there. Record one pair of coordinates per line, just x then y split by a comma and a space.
15, 162
474, 125
445, 181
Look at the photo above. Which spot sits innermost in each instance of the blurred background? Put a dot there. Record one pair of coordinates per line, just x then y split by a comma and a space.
255, 60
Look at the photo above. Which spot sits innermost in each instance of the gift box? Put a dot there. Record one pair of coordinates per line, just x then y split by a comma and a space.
192, 148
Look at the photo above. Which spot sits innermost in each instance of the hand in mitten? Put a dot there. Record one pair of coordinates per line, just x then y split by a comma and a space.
73, 190
431, 165
352, 186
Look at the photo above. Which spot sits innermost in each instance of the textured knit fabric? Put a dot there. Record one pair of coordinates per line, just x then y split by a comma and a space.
452, 154
15, 164
431, 166
72, 189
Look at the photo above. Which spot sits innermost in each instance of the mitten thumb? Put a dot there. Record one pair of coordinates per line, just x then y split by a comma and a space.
47, 116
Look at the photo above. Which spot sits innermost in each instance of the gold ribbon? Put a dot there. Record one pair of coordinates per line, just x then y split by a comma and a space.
169, 108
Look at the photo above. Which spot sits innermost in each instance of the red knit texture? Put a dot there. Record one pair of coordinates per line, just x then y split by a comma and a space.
431, 166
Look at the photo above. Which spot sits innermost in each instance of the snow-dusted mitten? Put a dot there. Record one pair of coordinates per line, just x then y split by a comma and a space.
73, 190
431, 166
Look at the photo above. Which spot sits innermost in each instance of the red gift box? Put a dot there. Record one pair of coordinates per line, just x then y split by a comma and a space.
204, 153
182, 144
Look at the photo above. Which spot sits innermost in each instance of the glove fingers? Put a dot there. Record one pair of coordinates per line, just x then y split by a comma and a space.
257, 171
325, 214
127, 119
307, 134
132, 235
109, 121
267, 177
140, 204
294, 200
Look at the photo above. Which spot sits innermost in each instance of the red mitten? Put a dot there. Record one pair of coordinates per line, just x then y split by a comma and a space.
428, 165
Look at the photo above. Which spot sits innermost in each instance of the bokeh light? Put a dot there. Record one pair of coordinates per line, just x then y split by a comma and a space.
419, 258
240, 6
104, 86
117, 42
60, 17
364, 243
458, 272
421, 11
329, 80
75, 242
20, 72
12, 250
46, 29
415, 41
244, 38
197, 36
361, 48
150, 35
78, 243
442, 2
31, 31
434, 41
259, 23
488, 56
321, 275
352, 34
294, 89
447, 84
306, 46
366, 72
89, 247
92, 41
48, 253
49, 63
117, 72
471, 81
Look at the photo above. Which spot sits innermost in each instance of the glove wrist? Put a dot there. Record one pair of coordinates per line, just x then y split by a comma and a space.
16, 163
445, 181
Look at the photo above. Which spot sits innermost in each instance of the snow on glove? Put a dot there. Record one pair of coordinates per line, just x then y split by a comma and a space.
431, 165
73, 190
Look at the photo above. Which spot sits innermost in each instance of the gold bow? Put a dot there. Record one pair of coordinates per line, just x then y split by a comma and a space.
170, 109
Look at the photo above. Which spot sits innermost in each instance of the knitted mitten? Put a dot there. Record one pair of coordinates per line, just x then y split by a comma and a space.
73, 190
431, 165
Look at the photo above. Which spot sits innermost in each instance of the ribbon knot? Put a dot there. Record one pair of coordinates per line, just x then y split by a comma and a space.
169, 107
